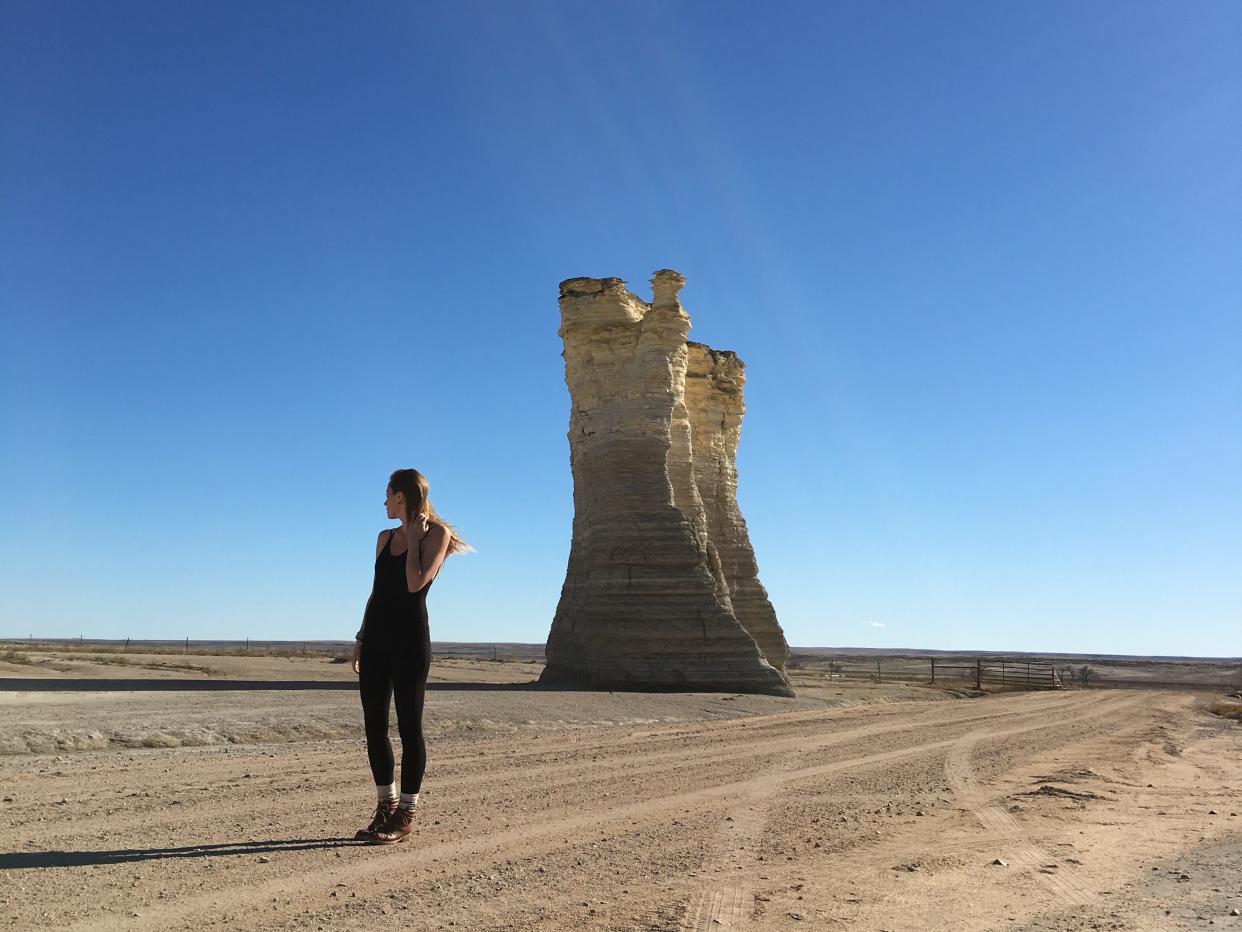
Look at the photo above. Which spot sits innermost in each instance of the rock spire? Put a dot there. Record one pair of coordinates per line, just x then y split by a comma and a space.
662, 589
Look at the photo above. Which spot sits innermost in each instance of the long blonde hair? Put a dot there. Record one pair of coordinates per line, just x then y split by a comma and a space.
413, 485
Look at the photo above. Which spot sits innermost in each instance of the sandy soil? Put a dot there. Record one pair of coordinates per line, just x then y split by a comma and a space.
612, 811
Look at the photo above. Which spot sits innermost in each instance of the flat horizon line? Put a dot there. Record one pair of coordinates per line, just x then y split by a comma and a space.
529, 646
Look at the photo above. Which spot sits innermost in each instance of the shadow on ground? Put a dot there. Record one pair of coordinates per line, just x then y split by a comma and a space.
27, 859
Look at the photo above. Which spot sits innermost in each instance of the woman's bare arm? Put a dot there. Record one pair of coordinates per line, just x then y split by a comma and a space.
379, 543
416, 574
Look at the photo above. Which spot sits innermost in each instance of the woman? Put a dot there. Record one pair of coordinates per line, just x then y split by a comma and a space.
392, 650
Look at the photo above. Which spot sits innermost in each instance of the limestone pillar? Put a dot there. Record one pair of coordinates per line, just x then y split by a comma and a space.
662, 590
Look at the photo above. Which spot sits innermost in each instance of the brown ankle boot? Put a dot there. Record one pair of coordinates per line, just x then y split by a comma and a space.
396, 828
383, 812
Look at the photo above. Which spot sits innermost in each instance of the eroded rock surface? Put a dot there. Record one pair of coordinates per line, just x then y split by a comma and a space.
662, 588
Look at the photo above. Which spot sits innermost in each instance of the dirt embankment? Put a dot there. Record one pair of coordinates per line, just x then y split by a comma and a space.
167, 701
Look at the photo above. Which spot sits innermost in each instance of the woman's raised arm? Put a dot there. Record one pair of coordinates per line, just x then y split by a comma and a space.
416, 574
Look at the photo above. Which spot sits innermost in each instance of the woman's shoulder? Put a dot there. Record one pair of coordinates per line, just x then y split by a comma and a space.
381, 539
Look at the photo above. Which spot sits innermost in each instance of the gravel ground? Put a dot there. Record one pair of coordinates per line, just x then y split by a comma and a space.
545, 810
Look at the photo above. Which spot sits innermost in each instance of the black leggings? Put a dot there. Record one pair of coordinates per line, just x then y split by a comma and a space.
397, 668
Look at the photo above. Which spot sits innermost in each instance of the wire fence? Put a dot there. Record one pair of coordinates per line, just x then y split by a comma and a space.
979, 672
1009, 672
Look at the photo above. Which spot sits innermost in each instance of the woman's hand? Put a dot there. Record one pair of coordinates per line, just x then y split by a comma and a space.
357, 656
416, 529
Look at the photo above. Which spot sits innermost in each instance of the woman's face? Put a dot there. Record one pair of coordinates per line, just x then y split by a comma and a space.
394, 503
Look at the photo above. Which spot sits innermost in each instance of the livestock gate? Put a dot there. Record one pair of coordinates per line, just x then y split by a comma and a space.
1000, 671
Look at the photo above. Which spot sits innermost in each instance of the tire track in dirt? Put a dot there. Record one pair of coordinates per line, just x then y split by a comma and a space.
721, 908
638, 763
962, 778
544, 832
728, 905
1118, 738
522, 840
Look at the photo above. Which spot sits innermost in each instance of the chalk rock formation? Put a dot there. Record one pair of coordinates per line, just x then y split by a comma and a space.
662, 589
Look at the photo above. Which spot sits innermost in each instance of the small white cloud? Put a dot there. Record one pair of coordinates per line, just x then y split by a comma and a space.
877, 624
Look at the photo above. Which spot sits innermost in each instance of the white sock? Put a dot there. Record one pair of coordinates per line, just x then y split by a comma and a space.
409, 800
386, 793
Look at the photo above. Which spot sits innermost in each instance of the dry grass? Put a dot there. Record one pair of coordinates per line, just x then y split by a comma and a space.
1227, 708
50, 660
150, 665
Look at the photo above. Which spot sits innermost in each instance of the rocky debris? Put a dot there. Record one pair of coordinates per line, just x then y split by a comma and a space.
1071, 775
1062, 793
662, 588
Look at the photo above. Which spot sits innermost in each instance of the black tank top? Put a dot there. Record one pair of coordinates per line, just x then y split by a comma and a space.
393, 610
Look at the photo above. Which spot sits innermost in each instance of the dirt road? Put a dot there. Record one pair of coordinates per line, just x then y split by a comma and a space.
1106, 810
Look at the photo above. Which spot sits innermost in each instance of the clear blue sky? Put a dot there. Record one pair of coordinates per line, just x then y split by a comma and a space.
983, 262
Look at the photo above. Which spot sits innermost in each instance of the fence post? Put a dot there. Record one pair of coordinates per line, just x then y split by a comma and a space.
127, 645
978, 673
933, 663
877, 669
247, 645
187, 645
